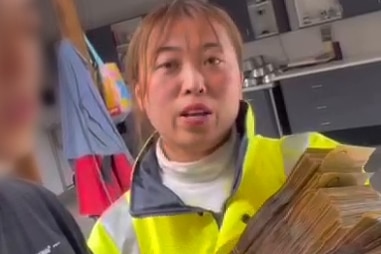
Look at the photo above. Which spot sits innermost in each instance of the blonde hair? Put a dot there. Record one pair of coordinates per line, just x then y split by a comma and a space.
151, 33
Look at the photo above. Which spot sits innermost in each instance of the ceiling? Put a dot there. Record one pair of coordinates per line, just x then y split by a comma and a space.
97, 13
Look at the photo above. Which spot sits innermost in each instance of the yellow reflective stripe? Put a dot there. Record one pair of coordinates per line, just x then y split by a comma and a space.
100, 242
111, 228
250, 121
292, 148
117, 221
318, 140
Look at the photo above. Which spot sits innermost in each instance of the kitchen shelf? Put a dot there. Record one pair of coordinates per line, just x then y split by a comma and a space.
312, 12
314, 23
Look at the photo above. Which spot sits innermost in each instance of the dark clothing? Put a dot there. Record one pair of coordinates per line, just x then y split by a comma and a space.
33, 221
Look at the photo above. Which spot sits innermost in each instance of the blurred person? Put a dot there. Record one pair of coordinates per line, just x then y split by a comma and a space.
204, 172
32, 221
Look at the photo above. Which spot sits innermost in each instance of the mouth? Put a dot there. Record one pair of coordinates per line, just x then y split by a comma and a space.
195, 110
196, 114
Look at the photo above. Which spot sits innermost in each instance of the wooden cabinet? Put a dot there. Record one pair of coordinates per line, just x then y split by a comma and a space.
237, 9
357, 7
335, 100
266, 120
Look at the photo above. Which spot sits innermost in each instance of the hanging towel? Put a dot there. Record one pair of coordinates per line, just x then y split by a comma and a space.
87, 126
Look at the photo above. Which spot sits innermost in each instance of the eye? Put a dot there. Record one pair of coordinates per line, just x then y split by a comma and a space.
214, 61
169, 66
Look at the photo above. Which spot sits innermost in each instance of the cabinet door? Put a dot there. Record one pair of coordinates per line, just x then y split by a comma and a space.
357, 7
264, 111
238, 11
336, 100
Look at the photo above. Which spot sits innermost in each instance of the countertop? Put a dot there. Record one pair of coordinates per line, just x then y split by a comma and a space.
258, 88
345, 63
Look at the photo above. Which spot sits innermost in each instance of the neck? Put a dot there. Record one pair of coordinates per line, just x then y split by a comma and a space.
184, 154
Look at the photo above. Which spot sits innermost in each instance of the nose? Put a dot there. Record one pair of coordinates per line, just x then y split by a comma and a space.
194, 81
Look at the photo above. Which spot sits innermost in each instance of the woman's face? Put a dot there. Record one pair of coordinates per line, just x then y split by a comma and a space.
20, 73
193, 92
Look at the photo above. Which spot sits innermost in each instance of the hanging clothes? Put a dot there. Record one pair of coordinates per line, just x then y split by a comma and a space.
116, 174
89, 135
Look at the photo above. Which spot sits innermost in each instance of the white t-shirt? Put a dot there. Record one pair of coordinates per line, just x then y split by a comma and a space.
206, 183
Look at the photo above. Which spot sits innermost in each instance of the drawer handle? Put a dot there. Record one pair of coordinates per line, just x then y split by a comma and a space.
325, 123
321, 107
316, 86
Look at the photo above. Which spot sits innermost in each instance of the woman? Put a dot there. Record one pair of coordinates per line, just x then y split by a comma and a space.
205, 172
32, 220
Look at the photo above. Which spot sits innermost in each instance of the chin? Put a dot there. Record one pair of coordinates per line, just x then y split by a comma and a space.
196, 139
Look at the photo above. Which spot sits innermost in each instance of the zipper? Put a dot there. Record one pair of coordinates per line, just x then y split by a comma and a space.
238, 177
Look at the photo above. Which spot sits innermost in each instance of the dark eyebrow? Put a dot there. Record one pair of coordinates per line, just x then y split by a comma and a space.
167, 48
206, 46
210, 45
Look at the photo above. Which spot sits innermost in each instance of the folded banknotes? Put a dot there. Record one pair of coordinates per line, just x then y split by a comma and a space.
325, 207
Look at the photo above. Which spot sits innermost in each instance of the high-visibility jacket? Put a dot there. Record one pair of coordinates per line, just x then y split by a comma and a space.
163, 224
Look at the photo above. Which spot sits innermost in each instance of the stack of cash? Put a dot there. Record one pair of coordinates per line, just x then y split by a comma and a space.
325, 207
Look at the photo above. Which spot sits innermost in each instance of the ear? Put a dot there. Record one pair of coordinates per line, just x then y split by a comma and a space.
139, 97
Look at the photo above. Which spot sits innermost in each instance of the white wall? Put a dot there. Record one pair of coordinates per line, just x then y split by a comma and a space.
47, 164
54, 168
358, 36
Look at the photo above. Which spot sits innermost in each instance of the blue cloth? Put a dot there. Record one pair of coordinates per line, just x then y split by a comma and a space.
87, 127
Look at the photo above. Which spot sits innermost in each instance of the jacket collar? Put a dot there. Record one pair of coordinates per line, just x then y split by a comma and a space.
149, 197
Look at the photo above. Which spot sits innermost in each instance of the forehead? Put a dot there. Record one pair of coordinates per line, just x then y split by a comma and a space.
191, 33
